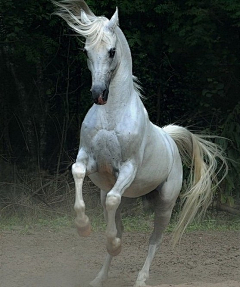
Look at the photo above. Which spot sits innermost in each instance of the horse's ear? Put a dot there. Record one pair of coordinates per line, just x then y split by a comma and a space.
113, 22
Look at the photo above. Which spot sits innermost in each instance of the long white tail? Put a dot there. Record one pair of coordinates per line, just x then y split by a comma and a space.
206, 160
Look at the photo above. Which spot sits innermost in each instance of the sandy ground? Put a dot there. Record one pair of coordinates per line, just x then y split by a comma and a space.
44, 258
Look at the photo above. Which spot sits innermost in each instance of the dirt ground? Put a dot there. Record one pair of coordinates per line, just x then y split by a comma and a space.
44, 258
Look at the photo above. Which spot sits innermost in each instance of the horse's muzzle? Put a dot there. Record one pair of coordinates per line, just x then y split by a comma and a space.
99, 95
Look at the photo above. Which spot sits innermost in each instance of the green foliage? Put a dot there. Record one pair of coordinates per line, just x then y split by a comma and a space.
231, 130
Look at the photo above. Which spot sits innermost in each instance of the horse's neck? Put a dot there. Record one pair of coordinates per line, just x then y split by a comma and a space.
121, 90
122, 98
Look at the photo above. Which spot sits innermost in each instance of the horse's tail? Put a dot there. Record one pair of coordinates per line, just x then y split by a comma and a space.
203, 157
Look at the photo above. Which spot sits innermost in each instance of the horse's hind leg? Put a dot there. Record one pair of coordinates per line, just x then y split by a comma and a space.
103, 274
163, 206
79, 171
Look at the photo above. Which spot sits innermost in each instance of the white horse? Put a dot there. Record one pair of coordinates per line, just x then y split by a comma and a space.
122, 152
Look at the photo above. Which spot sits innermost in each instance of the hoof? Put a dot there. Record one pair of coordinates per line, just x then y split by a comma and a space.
84, 231
115, 247
115, 252
96, 283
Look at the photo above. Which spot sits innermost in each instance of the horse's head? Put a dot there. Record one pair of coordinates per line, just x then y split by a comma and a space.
100, 45
102, 59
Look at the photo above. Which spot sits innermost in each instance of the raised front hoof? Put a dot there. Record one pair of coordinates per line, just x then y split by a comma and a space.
84, 231
115, 252
115, 247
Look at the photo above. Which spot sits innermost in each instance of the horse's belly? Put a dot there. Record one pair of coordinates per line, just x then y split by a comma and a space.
137, 189
105, 181
145, 181
140, 186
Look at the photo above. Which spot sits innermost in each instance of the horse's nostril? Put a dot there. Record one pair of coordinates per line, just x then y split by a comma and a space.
105, 94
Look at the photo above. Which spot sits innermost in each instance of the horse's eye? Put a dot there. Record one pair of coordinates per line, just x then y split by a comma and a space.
112, 52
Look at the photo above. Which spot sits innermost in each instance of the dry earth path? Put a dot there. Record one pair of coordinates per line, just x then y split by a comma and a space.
46, 258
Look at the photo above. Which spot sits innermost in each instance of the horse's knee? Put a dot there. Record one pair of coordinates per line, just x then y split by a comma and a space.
78, 171
112, 201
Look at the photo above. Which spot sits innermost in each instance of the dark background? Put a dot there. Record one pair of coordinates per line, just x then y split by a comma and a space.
185, 53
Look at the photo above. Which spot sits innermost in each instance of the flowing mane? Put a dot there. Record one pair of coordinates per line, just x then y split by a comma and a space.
83, 21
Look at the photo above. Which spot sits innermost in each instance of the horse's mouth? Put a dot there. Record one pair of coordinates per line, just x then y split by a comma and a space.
102, 99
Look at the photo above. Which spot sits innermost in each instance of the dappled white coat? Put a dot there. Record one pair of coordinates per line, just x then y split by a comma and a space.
122, 152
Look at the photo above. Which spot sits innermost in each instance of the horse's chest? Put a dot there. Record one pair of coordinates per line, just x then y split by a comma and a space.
106, 151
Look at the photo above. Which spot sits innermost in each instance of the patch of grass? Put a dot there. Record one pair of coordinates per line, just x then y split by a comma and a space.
212, 221
132, 223
215, 224
140, 223
55, 223
28, 224
98, 223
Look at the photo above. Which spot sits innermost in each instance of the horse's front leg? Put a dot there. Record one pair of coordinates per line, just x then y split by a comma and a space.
125, 178
79, 171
